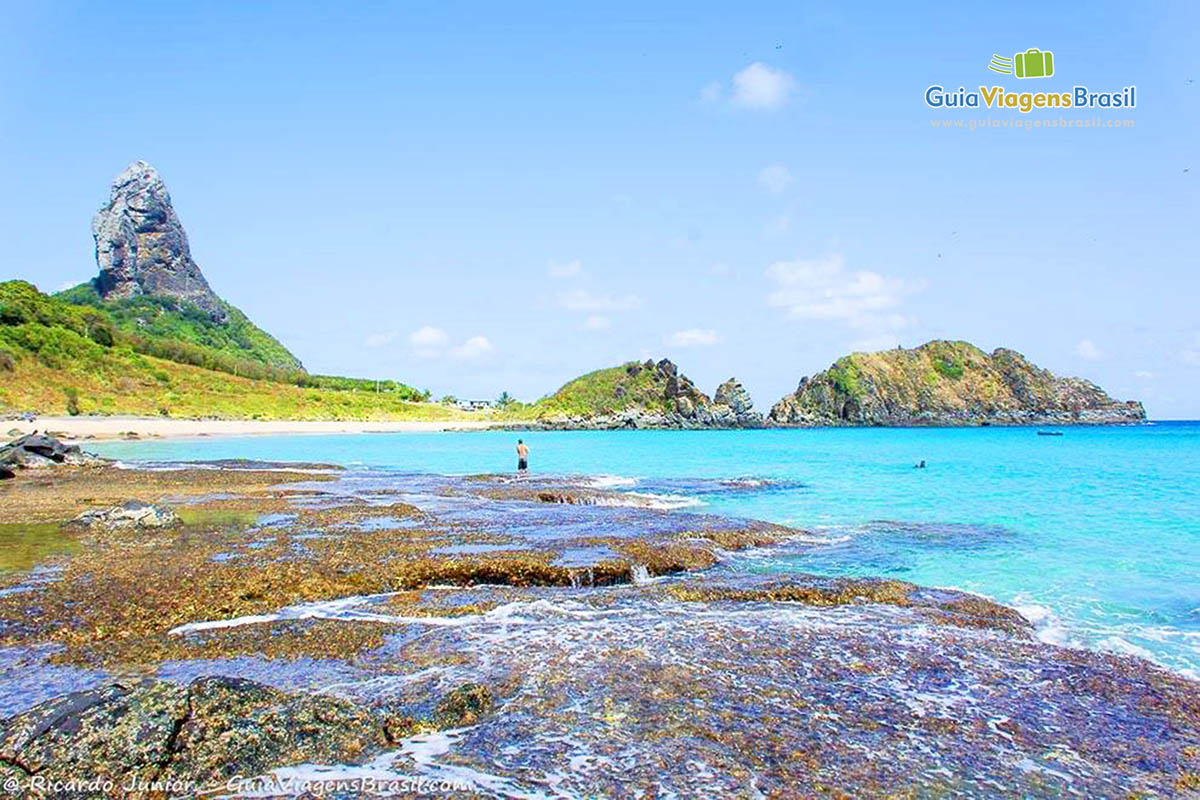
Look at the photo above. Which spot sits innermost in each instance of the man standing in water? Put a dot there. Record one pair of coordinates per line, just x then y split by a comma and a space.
522, 457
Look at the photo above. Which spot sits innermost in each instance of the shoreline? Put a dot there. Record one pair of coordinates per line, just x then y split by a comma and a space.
116, 428
78, 429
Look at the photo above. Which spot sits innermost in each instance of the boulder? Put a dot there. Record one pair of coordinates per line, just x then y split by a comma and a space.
39, 450
131, 514
205, 733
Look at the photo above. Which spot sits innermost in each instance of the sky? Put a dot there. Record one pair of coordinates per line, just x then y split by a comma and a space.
486, 197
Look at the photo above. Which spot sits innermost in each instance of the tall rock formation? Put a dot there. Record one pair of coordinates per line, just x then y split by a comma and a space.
141, 247
945, 383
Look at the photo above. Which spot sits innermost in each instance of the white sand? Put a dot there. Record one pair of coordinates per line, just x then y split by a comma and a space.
78, 428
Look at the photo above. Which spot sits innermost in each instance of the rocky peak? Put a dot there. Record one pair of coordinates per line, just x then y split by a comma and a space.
141, 247
731, 393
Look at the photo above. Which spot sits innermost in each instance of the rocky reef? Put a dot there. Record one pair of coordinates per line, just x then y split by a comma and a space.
509, 638
645, 395
141, 247
944, 383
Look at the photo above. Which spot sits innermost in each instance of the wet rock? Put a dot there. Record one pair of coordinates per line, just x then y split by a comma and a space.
40, 450
206, 732
463, 706
131, 514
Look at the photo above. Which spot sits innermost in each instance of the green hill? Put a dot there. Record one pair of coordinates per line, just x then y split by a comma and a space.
947, 383
640, 395
165, 317
56, 357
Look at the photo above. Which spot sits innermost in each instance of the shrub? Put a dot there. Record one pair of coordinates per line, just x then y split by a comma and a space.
948, 367
72, 401
844, 376
8, 361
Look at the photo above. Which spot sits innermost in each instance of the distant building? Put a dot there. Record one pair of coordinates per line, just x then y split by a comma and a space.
475, 405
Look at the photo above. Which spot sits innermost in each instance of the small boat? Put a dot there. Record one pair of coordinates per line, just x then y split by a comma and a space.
1050, 433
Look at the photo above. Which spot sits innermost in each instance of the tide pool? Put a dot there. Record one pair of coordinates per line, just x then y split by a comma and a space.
1094, 535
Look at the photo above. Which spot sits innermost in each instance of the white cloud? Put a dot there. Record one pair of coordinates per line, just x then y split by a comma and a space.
71, 285
583, 300
693, 337
428, 341
380, 339
1088, 349
775, 178
597, 322
1144, 374
719, 268
823, 289
712, 92
474, 347
760, 86
562, 271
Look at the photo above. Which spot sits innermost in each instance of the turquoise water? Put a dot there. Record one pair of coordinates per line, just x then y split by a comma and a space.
1094, 535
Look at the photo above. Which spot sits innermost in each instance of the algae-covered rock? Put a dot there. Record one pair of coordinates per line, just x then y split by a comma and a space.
131, 514
463, 706
200, 734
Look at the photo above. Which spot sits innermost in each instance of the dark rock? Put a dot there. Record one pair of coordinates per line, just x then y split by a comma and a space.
131, 514
40, 450
141, 247
207, 732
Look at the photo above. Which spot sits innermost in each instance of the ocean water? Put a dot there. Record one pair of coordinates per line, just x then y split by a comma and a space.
1094, 535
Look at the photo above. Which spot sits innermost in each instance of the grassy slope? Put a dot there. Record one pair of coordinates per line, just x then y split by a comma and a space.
51, 352
939, 377
597, 393
939, 374
165, 318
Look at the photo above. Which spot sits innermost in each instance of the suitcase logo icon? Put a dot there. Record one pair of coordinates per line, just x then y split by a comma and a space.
1033, 63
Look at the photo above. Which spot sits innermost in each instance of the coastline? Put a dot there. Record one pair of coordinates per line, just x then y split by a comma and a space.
82, 428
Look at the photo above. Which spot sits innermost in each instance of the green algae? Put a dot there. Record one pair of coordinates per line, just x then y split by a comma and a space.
24, 546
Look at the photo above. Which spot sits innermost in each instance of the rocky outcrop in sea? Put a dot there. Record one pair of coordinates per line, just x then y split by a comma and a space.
674, 403
141, 247
945, 383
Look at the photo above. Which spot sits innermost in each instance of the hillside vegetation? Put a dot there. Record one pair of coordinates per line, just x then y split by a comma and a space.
58, 357
605, 392
946, 383
168, 318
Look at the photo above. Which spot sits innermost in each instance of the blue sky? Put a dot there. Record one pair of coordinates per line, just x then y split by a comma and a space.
486, 197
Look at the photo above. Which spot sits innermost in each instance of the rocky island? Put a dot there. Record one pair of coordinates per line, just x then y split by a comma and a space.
643, 395
945, 383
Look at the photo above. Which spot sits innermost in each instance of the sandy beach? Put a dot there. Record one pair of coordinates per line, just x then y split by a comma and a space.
100, 428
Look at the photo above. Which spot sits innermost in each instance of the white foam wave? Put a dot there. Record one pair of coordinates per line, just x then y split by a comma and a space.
608, 481
664, 502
